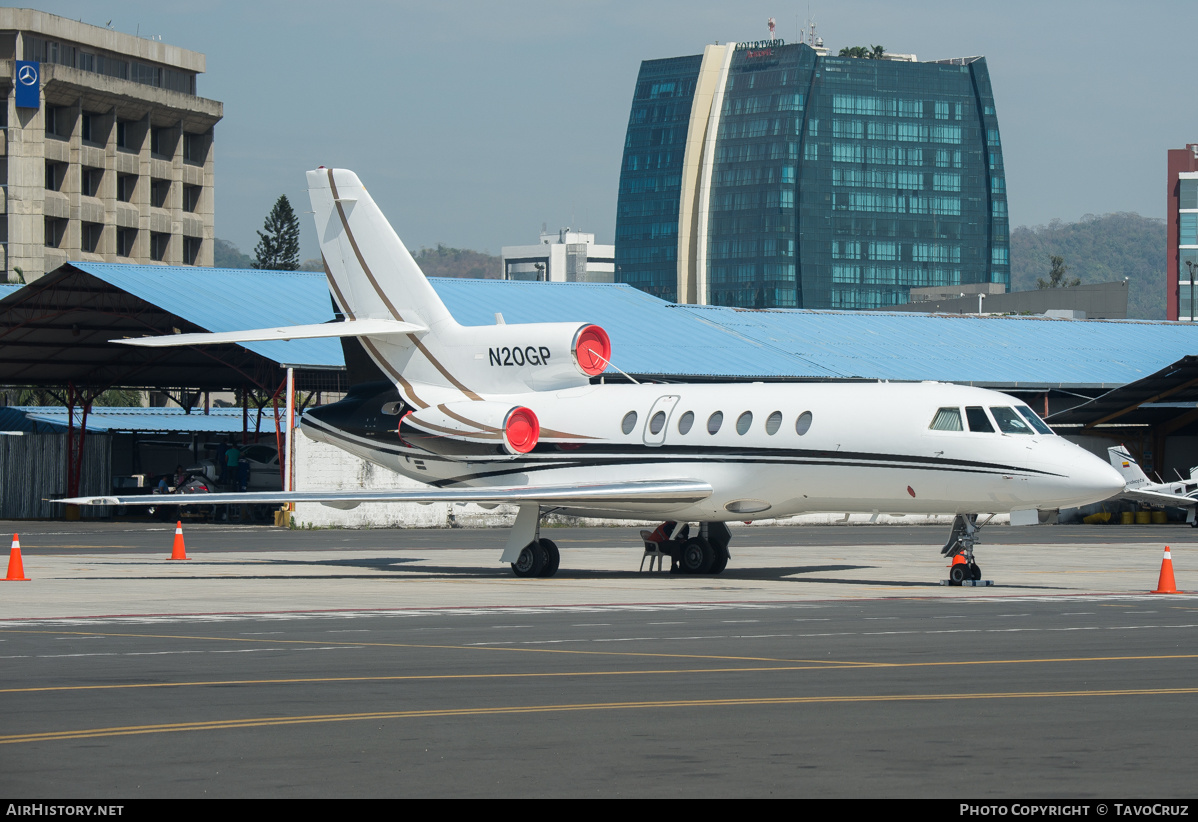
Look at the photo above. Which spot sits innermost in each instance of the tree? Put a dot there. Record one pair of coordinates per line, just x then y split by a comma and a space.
278, 245
863, 53
1056, 275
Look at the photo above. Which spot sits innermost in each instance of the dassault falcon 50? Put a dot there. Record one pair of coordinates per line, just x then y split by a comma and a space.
516, 413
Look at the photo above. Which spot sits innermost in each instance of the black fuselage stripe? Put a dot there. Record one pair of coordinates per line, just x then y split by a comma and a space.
724, 456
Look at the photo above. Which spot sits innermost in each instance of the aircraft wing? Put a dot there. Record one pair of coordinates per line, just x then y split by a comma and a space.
1158, 498
649, 492
348, 328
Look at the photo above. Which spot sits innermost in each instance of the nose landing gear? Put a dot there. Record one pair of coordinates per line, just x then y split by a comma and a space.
961, 542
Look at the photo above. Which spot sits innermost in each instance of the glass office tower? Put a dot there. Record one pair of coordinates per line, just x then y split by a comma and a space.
770, 176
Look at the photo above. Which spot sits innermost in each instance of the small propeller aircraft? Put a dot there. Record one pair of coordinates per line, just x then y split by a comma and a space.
1180, 494
515, 413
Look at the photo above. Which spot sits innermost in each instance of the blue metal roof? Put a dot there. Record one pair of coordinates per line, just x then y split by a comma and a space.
1009, 351
143, 420
9, 288
230, 299
650, 336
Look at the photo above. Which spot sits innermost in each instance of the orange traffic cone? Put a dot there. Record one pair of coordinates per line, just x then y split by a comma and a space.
16, 569
1166, 584
178, 551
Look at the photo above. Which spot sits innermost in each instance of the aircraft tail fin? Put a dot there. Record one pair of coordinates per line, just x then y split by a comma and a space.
371, 273
1126, 464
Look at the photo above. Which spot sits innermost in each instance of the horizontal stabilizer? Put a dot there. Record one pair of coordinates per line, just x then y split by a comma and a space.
650, 492
348, 328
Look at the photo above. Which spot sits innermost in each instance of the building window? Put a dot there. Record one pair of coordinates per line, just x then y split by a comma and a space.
191, 198
191, 250
194, 148
90, 181
56, 232
126, 184
90, 236
123, 136
56, 174
90, 129
126, 238
58, 122
159, 243
160, 143
160, 191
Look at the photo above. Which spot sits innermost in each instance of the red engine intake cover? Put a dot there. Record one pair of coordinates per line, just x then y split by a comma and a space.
592, 350
521, 429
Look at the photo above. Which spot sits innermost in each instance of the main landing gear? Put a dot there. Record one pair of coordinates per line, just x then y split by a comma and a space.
706, 553
961, 542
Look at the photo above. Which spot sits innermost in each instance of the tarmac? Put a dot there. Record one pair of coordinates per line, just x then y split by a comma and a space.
103, 569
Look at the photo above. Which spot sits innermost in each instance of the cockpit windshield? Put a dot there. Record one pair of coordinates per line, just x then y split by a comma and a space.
1009, 422
1034, 420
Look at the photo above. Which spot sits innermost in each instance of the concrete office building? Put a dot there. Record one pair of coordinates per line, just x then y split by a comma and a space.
1181, 228
107, 153
770, 175
563, 257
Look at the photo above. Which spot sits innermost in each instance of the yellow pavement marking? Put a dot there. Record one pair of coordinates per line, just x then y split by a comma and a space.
584, 674
261, 722
507, 648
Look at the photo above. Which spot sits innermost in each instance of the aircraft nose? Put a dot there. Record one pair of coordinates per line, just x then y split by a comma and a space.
1094, 478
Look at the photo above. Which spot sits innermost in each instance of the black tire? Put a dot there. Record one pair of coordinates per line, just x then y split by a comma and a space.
958, 574
531, 561
552, 558
697, 556
975, 571
720, 562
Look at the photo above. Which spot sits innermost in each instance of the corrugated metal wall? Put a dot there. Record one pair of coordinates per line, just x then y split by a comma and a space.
33, 469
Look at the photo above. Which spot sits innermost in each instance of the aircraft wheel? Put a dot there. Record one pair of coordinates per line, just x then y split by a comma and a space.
1194, 524
720, 562
975, 571
531, 561
697, 556
958, 574
552, 558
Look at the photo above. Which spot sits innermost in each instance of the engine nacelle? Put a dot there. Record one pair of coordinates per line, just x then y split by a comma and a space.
537, 356
461, 430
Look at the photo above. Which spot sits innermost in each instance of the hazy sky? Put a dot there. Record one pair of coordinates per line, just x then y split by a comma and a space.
472, 122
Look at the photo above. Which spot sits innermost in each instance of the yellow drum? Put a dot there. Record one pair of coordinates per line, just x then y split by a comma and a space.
1143, 517
1159, 518
1127, 518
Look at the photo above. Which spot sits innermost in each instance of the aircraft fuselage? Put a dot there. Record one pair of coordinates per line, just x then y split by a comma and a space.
766, 449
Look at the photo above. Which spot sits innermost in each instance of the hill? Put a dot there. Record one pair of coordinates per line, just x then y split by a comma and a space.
1098, 249
443, 261
226, 255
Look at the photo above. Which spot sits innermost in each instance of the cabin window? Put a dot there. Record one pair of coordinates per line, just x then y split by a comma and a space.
743, 422
1034, 420
1009, 422
714, 422
947, 419
629, 422
978, 421
657, 422
773, 423
803, 423
685, 422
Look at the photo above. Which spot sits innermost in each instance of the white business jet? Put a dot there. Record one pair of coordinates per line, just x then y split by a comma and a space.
1180, 494
514, 413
